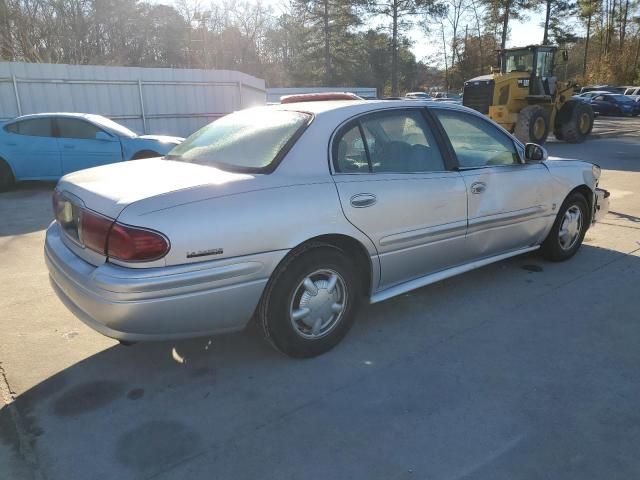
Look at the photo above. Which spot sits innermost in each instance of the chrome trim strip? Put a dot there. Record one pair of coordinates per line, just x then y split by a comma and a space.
436, 277
404, 237
504, 219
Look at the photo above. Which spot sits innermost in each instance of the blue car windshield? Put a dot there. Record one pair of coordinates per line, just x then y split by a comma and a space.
112, 126
250, 140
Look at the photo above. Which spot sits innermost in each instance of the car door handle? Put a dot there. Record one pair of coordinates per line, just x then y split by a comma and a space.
362, 200
478, 187
69, 146
11, 144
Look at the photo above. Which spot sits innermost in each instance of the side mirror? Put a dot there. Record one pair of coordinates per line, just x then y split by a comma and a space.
104, 136
535, 153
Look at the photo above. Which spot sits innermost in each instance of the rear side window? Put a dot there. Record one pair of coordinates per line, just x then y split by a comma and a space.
247, 141
74, 128
35, 127
392, 142
476, 142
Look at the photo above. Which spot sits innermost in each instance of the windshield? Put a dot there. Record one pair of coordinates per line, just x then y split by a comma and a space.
112, 126
247, 141
518, 61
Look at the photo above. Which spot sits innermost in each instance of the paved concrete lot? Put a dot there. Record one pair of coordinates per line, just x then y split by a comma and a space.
521, 370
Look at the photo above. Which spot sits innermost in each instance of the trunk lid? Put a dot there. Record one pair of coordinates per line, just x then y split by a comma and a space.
109, 189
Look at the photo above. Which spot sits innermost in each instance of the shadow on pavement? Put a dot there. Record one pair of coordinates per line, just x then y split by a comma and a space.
26, 208
474, 374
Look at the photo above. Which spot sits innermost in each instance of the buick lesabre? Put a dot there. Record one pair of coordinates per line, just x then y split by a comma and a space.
295, 214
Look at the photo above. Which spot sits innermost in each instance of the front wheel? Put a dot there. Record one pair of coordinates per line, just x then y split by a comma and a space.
568, 230
532, 125
311, 301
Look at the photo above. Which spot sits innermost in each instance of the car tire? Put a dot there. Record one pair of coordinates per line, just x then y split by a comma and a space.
7, 180
145, 154
567, 232
575, 121
290, 293
532, 125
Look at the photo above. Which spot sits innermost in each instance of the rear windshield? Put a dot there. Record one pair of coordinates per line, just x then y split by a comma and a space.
246, 141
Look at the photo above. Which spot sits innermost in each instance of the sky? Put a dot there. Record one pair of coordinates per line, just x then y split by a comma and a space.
522, 33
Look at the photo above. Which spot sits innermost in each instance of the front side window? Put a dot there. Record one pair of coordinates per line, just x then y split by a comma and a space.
518, 61
35, 127
75, 128
392, 141
476, 142
248, 140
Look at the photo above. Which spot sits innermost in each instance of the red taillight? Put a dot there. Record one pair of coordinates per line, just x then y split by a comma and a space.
94, 230
135, 244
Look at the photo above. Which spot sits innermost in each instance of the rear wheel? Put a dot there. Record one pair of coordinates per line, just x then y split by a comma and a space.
532, 125
6, 176
568, 230
575, 121
311, 301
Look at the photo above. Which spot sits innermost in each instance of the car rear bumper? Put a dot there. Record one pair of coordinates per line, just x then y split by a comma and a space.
601, 204
159, 303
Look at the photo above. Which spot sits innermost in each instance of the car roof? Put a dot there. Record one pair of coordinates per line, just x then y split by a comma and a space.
356, 106
57, 114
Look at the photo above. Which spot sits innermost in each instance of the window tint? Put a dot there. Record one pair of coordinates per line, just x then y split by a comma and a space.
37, 127
599, 98
75, 128
476, 142
350, 152
401, 142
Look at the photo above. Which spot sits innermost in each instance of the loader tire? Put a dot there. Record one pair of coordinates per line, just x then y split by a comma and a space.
575, 121
532, 125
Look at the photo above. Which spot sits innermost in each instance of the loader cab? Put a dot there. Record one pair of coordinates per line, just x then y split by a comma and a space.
538, 62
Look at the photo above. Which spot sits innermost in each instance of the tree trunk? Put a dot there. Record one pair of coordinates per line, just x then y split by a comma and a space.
545, 37
394, 53
586, 47
328, 76
505, 25
444, 50
623, 23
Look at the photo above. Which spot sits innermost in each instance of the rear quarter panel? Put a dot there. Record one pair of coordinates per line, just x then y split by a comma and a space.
278, 218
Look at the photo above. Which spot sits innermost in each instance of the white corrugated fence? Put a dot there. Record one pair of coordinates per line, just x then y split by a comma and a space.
148, 100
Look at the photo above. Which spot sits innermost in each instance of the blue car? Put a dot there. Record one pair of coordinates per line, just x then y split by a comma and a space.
46, 146
615, 104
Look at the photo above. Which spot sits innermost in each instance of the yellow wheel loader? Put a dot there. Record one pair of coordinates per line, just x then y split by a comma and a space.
526, 98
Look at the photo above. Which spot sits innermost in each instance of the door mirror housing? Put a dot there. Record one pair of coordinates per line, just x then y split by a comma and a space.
535, 153
104, 136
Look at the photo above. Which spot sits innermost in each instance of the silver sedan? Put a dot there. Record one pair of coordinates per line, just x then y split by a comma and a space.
295, 214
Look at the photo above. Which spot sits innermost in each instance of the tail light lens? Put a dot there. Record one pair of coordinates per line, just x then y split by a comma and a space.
94, 230
104, 235
132, 244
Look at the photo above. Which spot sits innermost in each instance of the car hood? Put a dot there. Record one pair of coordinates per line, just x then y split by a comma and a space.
109, 189
162, 138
